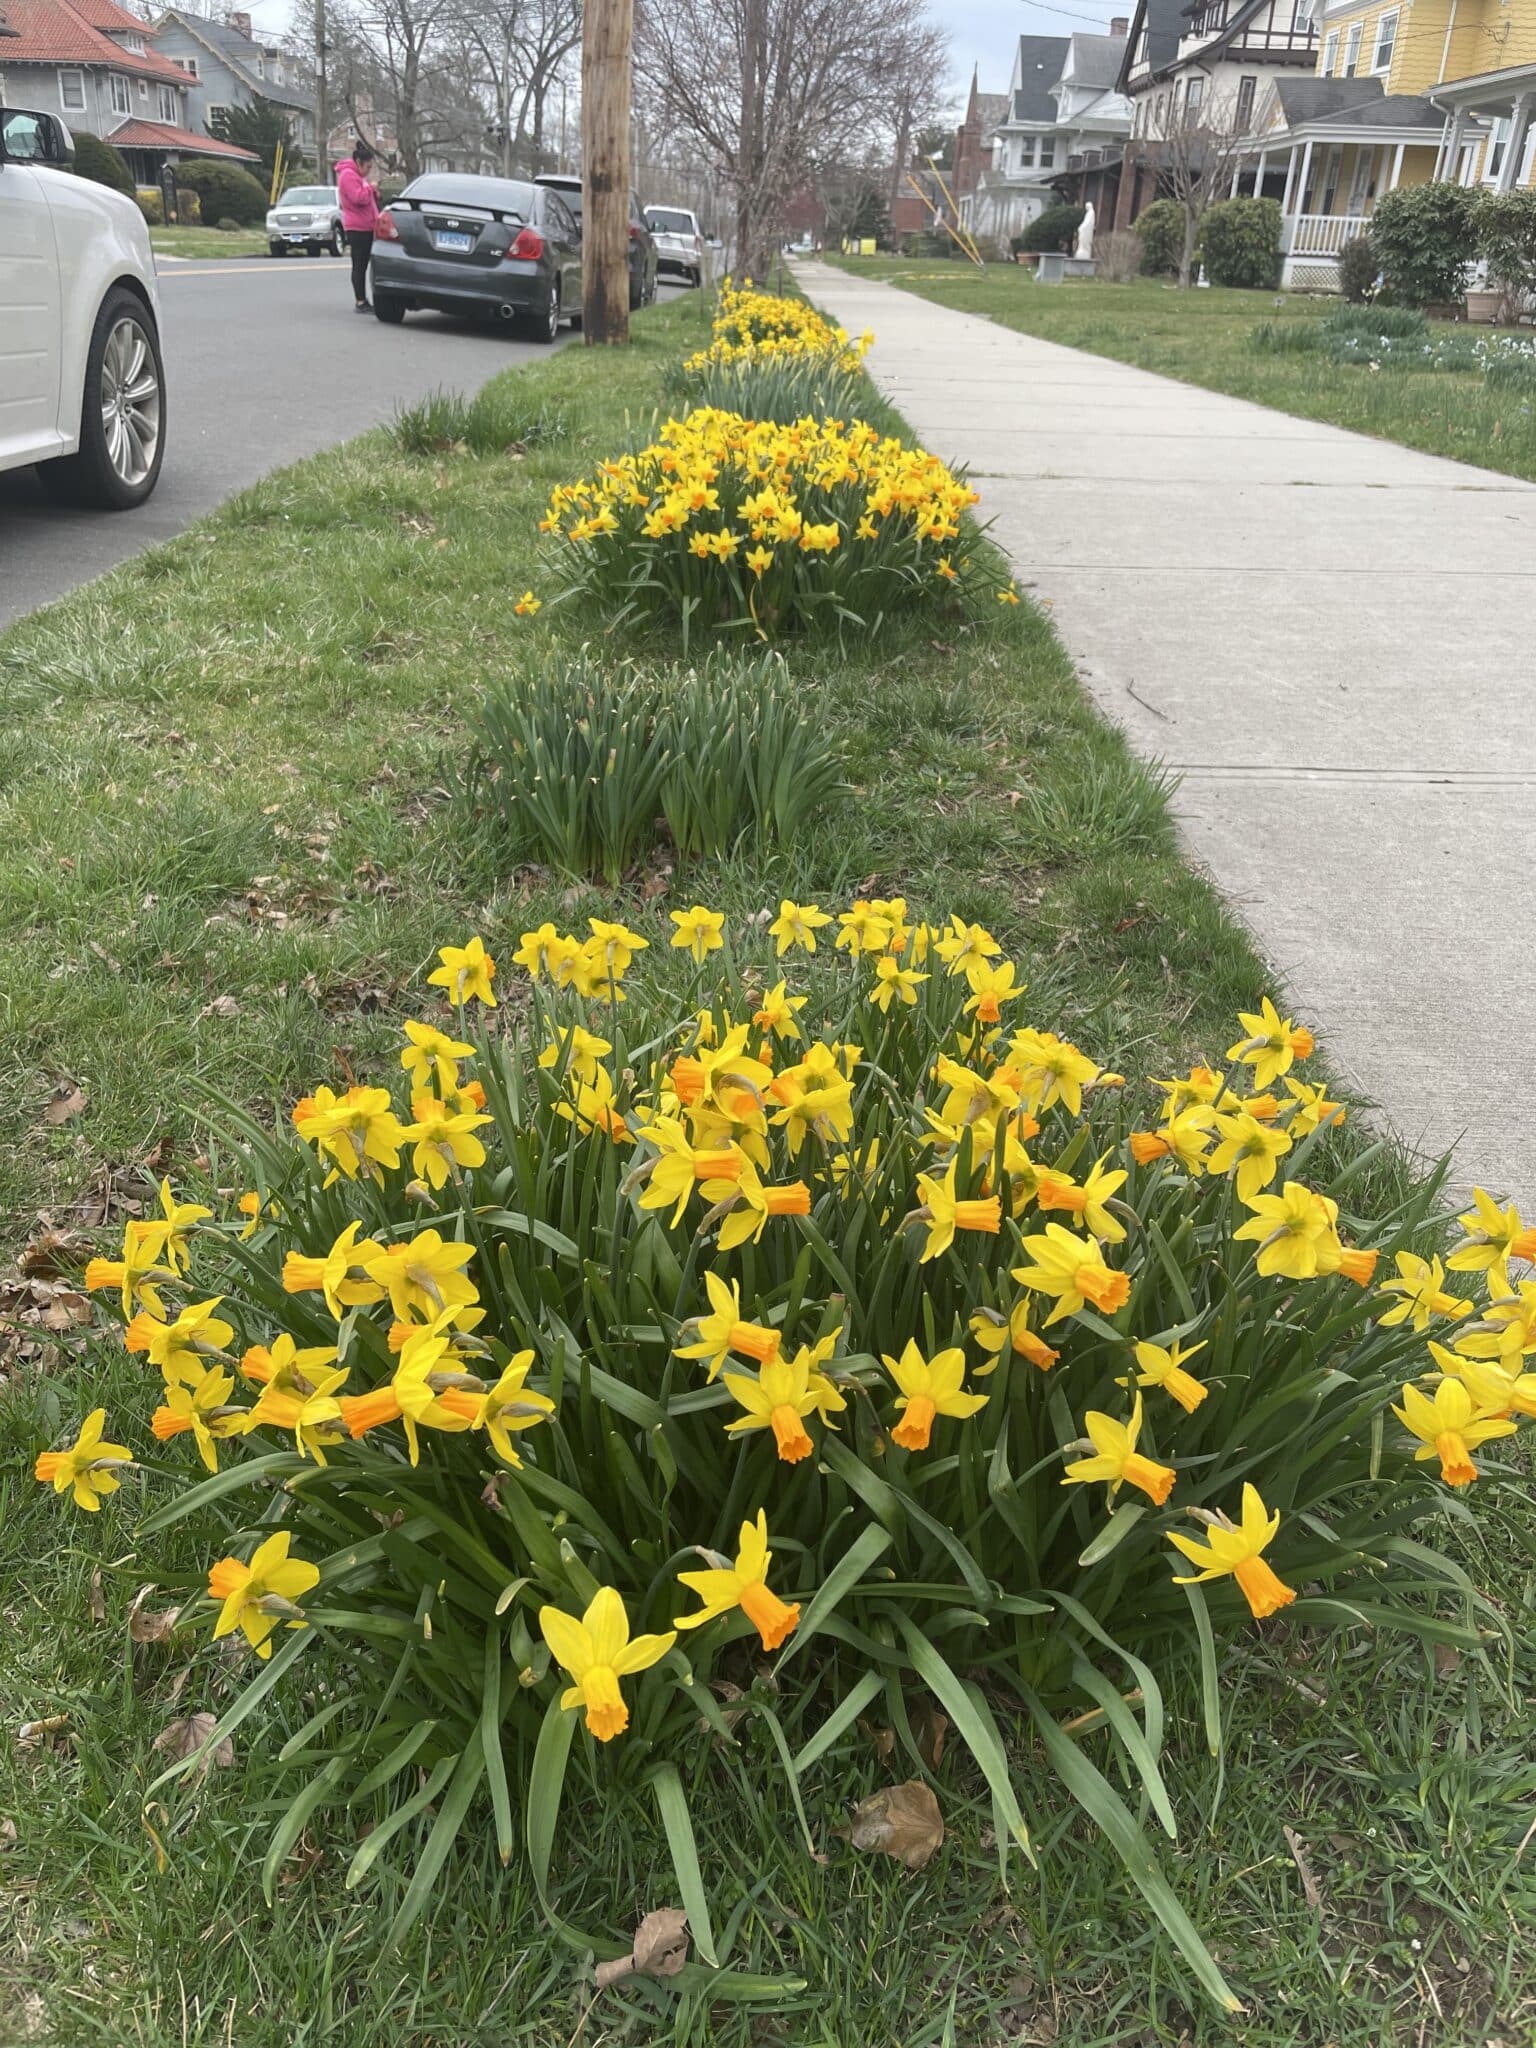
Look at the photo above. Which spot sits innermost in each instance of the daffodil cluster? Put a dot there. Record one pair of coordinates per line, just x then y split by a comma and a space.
752, 322
724, 520
774, 358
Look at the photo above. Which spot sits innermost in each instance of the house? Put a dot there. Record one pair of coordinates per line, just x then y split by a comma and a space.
1063, 106
1205, 62
229, 67
99, 68
1398, 98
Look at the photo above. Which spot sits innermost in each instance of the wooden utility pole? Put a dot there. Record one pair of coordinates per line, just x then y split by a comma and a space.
607, 34
322, 105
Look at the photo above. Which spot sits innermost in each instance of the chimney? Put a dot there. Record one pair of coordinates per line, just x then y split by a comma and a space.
1120, 26
240, 22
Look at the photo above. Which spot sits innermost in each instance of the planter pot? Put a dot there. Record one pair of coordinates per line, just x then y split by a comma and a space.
1484, 306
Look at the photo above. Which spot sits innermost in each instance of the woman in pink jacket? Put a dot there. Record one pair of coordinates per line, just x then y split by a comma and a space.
359, 210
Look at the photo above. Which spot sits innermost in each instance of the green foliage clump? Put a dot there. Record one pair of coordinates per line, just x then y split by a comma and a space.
1241, 240
577, 764
502, 418
226, 193
1054, 230
1423, 238
1161, 228
261, 128
151, 205
1358, 270
102, 164
1505, 226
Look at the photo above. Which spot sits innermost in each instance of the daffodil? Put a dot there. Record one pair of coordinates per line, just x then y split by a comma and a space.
203, 1408
961, 946
742, 1584
892, 980
443, 1139
182, 1349
597, 1652
138, 1275
1072, 1271
778, 1399
1311, 1106
992, 1331
725, 1329
1505, 1329
698, 931
431, 1058
1160, 1367
424, 1276
776, 1012
1116, 1459
341, 1274
178, 1220
1050, 1070
359, 1131
1450, 1427
1420, 1286
1250, 1149
1088, 1201
1294, 1231
511, 1406
1185, 1136
466, 972
575, 1051
749, 1203
929, 1388
90, 1466
256, 1597
1237, 1551
943, 1212
992, 985
298, 1392
1492, 1236
1271, 1043
527, 605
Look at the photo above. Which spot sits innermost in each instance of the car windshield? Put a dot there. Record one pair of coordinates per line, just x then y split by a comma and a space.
670, 221
309, 195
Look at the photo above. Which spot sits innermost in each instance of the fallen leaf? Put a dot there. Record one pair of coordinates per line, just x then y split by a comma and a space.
181, 1739
1309, 1883
66, 1101
221, 1006
147, 1626
7, 1835
98, 1598
66, 1309
903, 1820
929, 1728
1447, 1659
660, 1949
50, 1253
880, 1738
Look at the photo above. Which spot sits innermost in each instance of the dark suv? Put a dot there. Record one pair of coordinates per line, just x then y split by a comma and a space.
642, 244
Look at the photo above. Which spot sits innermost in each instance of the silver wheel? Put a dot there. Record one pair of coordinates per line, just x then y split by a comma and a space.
130, 401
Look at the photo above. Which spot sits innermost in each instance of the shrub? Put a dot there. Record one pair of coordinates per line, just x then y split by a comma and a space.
151, 204
1241, 241
576, 763
1400, 323
1287, 337
102, 164
227, 226
1031, 1404
504, 417
1358, 270
1161, 228
1423, 239
747, 526
775, 359
1056, 229
1504, 224
226, 193
1118, 256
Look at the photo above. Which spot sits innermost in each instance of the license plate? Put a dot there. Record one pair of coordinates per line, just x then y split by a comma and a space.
444, 240
295, 237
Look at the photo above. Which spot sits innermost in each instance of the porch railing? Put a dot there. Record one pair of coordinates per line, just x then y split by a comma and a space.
1320, 234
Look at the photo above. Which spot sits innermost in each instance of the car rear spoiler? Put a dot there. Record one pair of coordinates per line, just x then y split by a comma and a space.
474, 206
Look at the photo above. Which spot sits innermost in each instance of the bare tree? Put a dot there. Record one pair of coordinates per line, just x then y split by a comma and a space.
1200, 145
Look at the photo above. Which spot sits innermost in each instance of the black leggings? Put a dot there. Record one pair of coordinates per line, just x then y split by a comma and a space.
360, 241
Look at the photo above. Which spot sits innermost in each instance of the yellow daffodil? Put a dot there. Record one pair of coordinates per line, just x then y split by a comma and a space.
1311, 1106
138, 1275
742, 1584
698, 931
89, 1468
1116, 1459
991, 1332
511, 1406
1493, 1235
892, 980
1294, 1232
466, 972
527, 605
776, 1012
256, 1597
424, 1276
1450, 1427
1250, 1149
576, 1051
992, 985
929, 1388
1185, 1136
1420, 1286
943, 1212
1088, 1200
751, 1203
1505, 1329
1008, 596
778, 1399
178, 1222
182, 1349
1049, 1070
1164, 1368
725, 1330
1237, 1552
431, 1058
341, 1274
1072, 1271
359, 1131
443, 1139
202, 1407
597, 1652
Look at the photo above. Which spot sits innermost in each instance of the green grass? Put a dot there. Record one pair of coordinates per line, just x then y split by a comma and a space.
223, 773
211, 242
1201, 337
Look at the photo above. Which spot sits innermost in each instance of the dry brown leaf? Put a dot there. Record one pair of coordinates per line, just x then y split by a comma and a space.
660, 1949
146, 1626
929, 1728
185, 1737
880, 1738
1447, 1659
7, 1835
50, 1253
66, 1101
221, 1006
903, 1820
1309, 1884
98, 1600
66, 1309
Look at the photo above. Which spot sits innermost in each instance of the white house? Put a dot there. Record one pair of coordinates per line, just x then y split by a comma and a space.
1063, 103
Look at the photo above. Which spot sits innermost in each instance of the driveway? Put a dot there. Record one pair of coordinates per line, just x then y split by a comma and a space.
265, 362
1327, 637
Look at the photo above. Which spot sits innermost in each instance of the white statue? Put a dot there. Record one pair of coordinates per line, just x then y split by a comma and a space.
1085, 233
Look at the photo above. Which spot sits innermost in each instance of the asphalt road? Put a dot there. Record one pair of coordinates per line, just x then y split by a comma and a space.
266, 362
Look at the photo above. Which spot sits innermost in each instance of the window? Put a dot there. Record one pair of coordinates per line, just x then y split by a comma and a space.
1330, 52
1194, 93
187, 64
1493, 156
1386, 42
1352, 49
215, 119
72, 91
1047, 153
169, 111
1027, 153
122, 99
261, 69
1303, 15
134, 43
1246, 88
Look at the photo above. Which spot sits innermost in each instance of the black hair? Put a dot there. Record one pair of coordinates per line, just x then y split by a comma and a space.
362, 152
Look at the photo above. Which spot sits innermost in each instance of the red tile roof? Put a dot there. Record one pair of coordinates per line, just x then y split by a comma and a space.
60, 32
159, 135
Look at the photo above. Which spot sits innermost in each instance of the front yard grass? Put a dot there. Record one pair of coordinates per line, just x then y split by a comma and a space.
227, 855
208, 242
1202, 337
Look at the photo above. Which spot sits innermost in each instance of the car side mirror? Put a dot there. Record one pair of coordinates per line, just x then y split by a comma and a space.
31, 138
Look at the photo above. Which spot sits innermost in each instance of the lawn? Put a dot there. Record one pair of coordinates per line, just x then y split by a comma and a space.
228, 851
193, 242
1202, 337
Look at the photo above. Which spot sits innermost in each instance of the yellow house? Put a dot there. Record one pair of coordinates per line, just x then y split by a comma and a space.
1404, 91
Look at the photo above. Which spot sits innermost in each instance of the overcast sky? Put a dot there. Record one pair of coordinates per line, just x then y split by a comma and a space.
981, 31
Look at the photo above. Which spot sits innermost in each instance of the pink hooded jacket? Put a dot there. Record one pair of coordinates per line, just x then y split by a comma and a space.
359, 199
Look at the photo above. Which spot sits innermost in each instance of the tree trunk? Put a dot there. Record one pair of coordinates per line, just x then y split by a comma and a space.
1187, 258
607, 34
746, 152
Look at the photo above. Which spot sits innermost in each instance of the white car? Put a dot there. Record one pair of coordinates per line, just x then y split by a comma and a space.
680, 247
82, 384
308, 217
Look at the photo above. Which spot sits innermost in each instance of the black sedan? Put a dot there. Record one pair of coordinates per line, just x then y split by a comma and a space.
467, 245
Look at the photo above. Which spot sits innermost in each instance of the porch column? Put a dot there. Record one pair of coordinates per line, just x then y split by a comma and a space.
1290, 180
1514, 149
1304, 178
1453, 141
1258, 176
1237, 172
1397, 167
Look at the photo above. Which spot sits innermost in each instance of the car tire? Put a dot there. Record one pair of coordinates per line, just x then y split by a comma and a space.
338, 243
122, 412
388, 308
278, 248
545, 326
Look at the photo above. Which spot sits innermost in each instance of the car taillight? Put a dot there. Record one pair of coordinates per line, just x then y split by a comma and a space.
634, 232
528, 247
384, 229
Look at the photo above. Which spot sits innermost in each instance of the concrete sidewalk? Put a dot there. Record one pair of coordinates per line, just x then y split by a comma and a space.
1330, 639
